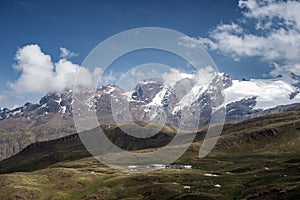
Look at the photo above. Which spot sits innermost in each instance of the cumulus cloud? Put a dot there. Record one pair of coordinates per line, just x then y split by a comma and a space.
36, 69
65, 53
106, 77
283, 69
203, 75
39, 74
269, 29
135, 75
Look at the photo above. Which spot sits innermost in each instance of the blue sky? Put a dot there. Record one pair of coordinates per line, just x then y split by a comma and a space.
80, 25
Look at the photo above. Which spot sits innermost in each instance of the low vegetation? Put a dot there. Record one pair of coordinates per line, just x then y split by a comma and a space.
254, 159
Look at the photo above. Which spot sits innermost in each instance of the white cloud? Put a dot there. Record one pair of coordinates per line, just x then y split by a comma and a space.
65, 74
108, 78
203, 75
65, 53
36, 70
8, 99
172, 76
40, 75
103, 78
283, 69
269, 29
287, 12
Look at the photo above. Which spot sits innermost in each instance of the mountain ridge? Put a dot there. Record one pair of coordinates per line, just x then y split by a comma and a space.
261, 134
52, 117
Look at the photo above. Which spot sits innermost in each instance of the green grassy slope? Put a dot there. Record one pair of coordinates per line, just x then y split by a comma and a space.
254, 159
43, 154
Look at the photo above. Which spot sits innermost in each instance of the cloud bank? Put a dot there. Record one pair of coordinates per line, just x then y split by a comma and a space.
65, 53
269, 29
39, 74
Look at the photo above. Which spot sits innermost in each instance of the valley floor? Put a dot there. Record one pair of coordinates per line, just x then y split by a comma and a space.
215, 177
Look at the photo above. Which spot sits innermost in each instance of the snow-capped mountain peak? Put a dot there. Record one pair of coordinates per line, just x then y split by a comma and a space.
161, 98
269, 93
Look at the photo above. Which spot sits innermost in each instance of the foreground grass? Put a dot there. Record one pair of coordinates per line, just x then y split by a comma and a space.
215, 177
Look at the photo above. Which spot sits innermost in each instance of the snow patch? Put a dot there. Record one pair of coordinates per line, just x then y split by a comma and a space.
128, 94
59, 100
63, 109
269, 93
147, 110
211, 175
16, 112
157, 100
109, 90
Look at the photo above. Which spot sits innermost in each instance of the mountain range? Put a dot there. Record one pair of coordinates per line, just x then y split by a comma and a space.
183, 100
